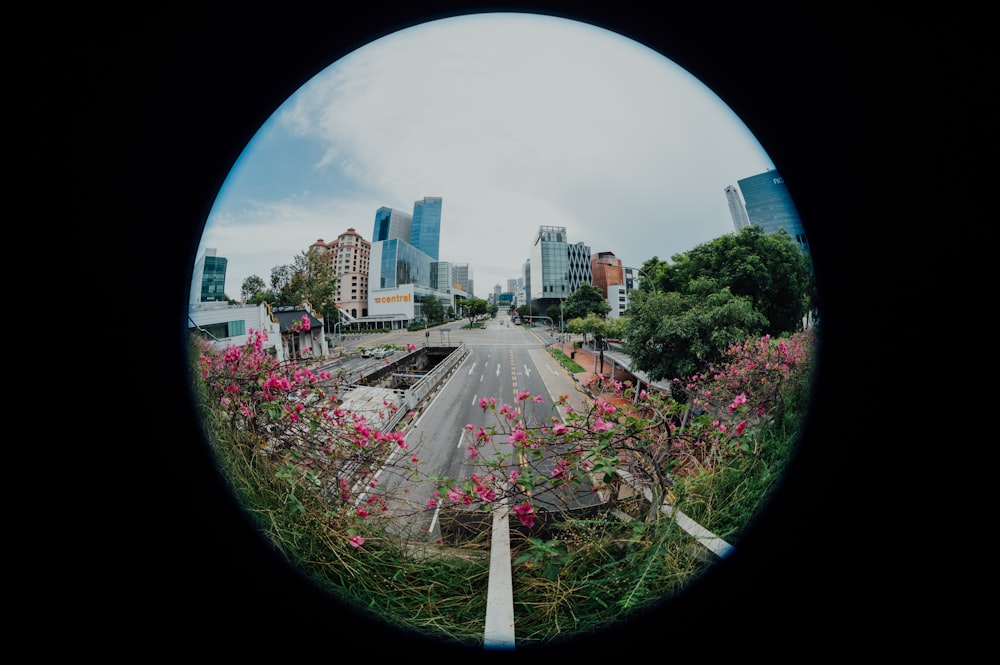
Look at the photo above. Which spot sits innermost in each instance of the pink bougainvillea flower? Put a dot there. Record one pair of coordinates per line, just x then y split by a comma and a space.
601, 426
357, 541
362, 512
559, 428
523, 395
526, 514
432, 503
473, 453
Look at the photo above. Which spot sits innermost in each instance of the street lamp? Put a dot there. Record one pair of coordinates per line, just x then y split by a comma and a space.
336, 335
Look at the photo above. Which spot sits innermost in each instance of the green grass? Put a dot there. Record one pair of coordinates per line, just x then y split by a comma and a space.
566, 361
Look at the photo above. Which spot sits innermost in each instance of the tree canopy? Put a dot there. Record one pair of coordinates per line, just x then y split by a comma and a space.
685, 315
585, 300
432, 308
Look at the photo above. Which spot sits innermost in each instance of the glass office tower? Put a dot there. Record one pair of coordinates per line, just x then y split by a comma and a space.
736, 208
391, 223
426, 231
769, 205
400, 263
209, 281
549, 266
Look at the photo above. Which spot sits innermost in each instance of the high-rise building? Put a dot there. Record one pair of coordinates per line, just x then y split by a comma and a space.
461, 276
736, 208
208, 283
579, 265
391, 223
441, 276
550, 272
404, 268
349, 258
769, 205
426, 230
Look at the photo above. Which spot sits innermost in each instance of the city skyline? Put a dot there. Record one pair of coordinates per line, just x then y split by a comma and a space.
576, 127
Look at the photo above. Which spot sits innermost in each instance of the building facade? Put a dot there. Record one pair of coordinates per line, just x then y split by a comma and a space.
769, 205
549, 267
461, 277
350, 255
391, 223
403, 276
736, 208
425, 234
578, 255
607, 271
618, 300
224, 325
208, 284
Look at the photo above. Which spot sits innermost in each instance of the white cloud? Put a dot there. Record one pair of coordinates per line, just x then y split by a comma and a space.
516, 121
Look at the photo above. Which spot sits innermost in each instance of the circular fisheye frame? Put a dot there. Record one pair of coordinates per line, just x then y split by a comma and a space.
504, 346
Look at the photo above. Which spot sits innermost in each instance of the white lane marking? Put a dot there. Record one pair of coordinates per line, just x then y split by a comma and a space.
472, 369
527, 371
498, 369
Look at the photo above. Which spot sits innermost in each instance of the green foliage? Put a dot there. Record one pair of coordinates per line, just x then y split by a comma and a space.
475, 308
582, 574
766, 268
684, 317
586, 300
252, 285
432, 309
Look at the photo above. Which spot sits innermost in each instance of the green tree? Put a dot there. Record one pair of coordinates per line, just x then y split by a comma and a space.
585, 300
475, 308
599, 328
677, 335
281, 276
684, 314
527, 310
252, 285
767, 268
433, 310
312, 281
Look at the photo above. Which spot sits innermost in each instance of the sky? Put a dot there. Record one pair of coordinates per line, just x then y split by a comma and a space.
516, 121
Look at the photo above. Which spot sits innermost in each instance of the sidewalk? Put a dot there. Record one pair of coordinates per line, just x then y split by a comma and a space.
590, 361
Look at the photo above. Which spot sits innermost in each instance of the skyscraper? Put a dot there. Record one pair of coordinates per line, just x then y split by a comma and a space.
391, 223
461, 276
349, 255
208, 283
736, 208
426, 230
770, 206
549, 266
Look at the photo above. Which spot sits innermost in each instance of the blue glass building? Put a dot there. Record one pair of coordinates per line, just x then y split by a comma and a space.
426, 231
769, 205
391, 223
209, 281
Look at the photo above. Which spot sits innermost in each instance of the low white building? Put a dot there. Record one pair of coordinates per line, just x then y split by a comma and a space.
289, 333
